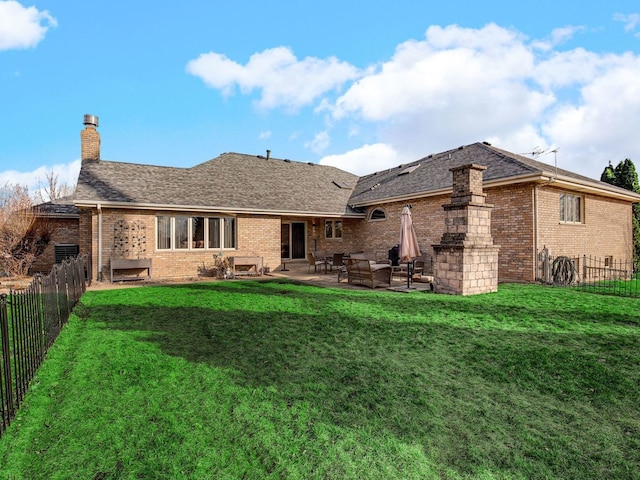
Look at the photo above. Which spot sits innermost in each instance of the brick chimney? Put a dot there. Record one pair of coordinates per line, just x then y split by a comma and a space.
90, 139
466, 258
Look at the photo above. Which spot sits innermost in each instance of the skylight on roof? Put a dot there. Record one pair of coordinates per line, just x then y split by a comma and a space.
342, 184
409, 169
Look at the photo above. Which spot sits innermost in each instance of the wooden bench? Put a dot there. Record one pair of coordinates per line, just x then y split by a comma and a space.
135, 266
247, 266
370, 274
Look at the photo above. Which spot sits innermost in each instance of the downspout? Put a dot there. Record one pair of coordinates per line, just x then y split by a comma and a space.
99, 242
535, 232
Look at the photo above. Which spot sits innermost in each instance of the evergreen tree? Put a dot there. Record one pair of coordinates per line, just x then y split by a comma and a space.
608, 175
625, 176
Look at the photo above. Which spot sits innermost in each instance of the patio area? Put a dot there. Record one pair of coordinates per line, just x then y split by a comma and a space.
299, 271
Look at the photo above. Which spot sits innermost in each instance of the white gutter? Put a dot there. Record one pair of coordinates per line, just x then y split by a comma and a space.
214, 209
535, 231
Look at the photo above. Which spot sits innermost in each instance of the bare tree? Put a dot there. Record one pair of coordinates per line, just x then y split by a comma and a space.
19, 232
53, 189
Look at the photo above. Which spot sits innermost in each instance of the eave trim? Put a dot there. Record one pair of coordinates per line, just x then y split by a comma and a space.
213, 209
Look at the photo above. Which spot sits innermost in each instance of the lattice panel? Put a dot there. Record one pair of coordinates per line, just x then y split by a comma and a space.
129, 239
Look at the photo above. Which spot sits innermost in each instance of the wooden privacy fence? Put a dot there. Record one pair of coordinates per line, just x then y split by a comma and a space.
30, 321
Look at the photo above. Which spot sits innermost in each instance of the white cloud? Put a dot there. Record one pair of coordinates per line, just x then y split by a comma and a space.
630, 21
459, 86
265, 135
364, 160
603, 125
67, 174
319, 143
22, 27
282, 79
557, 37
454, 87
454, 71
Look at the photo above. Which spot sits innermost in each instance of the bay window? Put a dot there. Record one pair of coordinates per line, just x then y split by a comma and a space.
181, 232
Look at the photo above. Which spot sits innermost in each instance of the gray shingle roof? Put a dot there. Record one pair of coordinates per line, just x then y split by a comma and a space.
433, 173
61, 208
238, 182
231, 181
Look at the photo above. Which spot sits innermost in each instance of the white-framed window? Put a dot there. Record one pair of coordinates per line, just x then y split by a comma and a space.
571, 208
181, 232
333, 229
377, 214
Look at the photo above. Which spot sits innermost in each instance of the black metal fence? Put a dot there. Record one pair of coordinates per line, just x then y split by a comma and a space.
30, 321
590, 273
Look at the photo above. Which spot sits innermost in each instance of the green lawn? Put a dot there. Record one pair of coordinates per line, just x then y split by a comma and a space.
255, 380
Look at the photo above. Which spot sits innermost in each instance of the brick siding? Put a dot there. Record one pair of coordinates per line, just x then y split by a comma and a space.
607, 231
256, 235
64, 231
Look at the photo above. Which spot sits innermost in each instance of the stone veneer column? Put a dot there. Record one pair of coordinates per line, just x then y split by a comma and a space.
466, 260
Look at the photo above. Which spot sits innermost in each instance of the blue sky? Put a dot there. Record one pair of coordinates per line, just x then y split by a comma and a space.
359, 85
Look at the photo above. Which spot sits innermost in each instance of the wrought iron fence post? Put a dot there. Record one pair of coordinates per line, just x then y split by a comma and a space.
30, 320
7, 401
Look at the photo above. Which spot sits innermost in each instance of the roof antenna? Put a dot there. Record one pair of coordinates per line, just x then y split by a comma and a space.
555, 162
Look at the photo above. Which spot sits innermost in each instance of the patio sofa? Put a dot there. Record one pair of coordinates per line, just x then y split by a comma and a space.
368, 273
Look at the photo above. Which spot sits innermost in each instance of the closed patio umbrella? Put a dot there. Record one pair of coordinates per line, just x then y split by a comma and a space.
408, 248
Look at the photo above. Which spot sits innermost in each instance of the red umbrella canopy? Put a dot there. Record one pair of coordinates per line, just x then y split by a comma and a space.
409, 248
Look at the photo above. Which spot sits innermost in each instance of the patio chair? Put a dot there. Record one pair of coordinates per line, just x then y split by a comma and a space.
336, 261
343, 270
314, 262
419, 264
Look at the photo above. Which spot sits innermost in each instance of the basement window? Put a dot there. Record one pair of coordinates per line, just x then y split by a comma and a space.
571, 208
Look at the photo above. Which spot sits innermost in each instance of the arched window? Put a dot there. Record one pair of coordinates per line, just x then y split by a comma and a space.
377, 214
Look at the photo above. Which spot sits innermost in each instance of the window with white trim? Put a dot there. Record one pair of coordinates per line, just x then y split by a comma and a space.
333, 229
571, 208
192, 233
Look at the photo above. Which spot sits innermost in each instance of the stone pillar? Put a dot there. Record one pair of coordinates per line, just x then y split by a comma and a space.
466, 260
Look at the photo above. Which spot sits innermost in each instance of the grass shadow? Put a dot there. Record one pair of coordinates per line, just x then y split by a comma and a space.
469, 379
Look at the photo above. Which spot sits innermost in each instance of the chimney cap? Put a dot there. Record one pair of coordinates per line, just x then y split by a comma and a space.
90, 120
